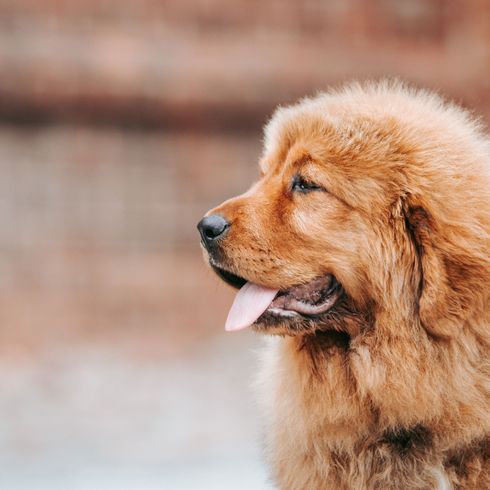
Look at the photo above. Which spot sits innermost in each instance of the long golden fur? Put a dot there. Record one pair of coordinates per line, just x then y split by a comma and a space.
391, 389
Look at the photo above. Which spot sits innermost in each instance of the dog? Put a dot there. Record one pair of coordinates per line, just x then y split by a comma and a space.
363, 252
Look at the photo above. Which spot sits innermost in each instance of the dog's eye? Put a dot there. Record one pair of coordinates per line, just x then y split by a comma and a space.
300, 184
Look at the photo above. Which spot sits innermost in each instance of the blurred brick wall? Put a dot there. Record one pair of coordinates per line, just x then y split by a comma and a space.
122, 122
211, 63
81, 188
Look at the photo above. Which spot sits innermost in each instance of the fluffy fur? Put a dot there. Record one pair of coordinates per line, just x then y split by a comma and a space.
391, 390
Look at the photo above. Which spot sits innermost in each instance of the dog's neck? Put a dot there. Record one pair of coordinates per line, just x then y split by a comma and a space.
332, 385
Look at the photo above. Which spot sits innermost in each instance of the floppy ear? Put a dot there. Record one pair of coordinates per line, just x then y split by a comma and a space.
440, 306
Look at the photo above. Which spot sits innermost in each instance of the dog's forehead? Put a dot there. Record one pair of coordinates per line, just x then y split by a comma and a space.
341, 141
290, 134
288, 123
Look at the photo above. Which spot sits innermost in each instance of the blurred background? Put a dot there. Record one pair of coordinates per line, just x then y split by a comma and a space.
121, 123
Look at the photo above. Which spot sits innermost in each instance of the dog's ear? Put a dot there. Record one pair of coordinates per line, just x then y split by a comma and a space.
440, 306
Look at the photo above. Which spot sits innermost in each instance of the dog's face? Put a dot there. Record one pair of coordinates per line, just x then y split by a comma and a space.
302, 229
284, 232
334, 230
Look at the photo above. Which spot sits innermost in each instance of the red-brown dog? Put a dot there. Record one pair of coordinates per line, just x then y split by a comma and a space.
365, 247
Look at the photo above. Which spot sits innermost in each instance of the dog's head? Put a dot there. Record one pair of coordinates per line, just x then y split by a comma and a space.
370, 200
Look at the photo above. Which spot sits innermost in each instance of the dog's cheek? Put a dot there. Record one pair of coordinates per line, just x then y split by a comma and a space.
351, 259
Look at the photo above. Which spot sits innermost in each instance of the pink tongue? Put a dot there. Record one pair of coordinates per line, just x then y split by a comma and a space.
250, 302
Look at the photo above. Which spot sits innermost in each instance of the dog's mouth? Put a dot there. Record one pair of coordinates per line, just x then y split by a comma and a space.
254, 303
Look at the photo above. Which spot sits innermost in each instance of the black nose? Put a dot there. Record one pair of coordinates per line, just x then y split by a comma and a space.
211, 228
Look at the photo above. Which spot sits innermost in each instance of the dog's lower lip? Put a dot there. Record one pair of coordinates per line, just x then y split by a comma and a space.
282, 312
324, 293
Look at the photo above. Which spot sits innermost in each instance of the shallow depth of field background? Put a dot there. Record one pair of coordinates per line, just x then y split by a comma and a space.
121, 123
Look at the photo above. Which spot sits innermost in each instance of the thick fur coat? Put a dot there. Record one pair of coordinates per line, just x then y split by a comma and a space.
390, 389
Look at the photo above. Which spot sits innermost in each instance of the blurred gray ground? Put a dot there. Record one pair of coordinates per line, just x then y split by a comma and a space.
85, 418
